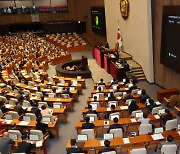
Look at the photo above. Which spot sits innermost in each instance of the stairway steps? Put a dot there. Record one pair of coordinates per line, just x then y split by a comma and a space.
137, 69
142, 78
137, 73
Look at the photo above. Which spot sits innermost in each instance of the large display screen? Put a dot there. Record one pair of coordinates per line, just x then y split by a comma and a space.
98, 20
170, 40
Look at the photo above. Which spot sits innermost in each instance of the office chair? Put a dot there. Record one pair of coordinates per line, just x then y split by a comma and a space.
14, 114
116, 94
138, 151
133, 114
37, 132
17, 132
114, 114
156, 109
13, 101
110, 152
50, 79
171, 124
31, 115
39, 94
128, 101
88, 132
145, 129
30, 83
65, 96
135, 91
3, 99
92, 115
169, 149
112, 102
117, 132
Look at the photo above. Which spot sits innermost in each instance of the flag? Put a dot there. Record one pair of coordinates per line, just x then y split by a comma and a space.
119, 38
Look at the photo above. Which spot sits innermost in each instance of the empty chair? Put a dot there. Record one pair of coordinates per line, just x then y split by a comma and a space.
39, 94
13, 101
117, 94
135, 91
8, 88
38, 133
30, 83
65, 95
3, 99
117, 132
57, 105
169, 149
113, 115
156, 109
145, 129
115, 103
51, 95
61, 82
110, 152
88, 132
138, 151
92, 115
171, 124
26, 104
48, 118
14, 134
31, 115
14, 114
50, 79
26, 92
133, 114
100, 95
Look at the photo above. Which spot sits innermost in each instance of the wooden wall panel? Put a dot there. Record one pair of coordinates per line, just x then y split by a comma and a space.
164, 76
77, 10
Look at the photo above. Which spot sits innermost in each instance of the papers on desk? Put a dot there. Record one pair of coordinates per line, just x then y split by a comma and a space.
124, 107
8, 121
58, 100
106, 98
29, 108
23, 123
111, 90
157, 116
35, 88
39, 143
49, 83
45, 99
157, 137
133, 120
119, 97
126, 88
33, 98
28, 87
106, 122
108, 109
46, 90
102, 143
126, 140
8, 106
158, 103
18, 84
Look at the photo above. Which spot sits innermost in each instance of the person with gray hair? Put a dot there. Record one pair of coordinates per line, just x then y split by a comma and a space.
5, 143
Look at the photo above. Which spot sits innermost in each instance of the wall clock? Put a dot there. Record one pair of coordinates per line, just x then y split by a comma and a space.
124, 8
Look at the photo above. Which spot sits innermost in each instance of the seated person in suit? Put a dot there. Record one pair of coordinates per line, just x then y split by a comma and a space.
151, 105
35, 109
87, 124
114, 82
90, 110
45, 111
133, 106
128, 96
169, 141
5, 143
107, 147
167, 116
2, 107
101, 82
126, 66
112, 111
112, 97
41, 126
14, 127
143, 96
18, 108
115, 125
24, 146
74, 148
133, 87
67, 91
144, 119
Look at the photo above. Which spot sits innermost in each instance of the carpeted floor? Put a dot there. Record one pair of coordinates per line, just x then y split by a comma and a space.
67, 130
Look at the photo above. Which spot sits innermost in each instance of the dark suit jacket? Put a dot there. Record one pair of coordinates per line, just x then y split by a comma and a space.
19, 109
106, 150
166, 118
88, 126
36, 111
91, 112
25, 147
74, 150
42, 127
111, 98
114, 126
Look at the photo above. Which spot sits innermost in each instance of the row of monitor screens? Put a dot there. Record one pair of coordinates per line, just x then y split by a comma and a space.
32, 137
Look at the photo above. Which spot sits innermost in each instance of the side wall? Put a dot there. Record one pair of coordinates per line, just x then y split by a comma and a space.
164, 76
136, 31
